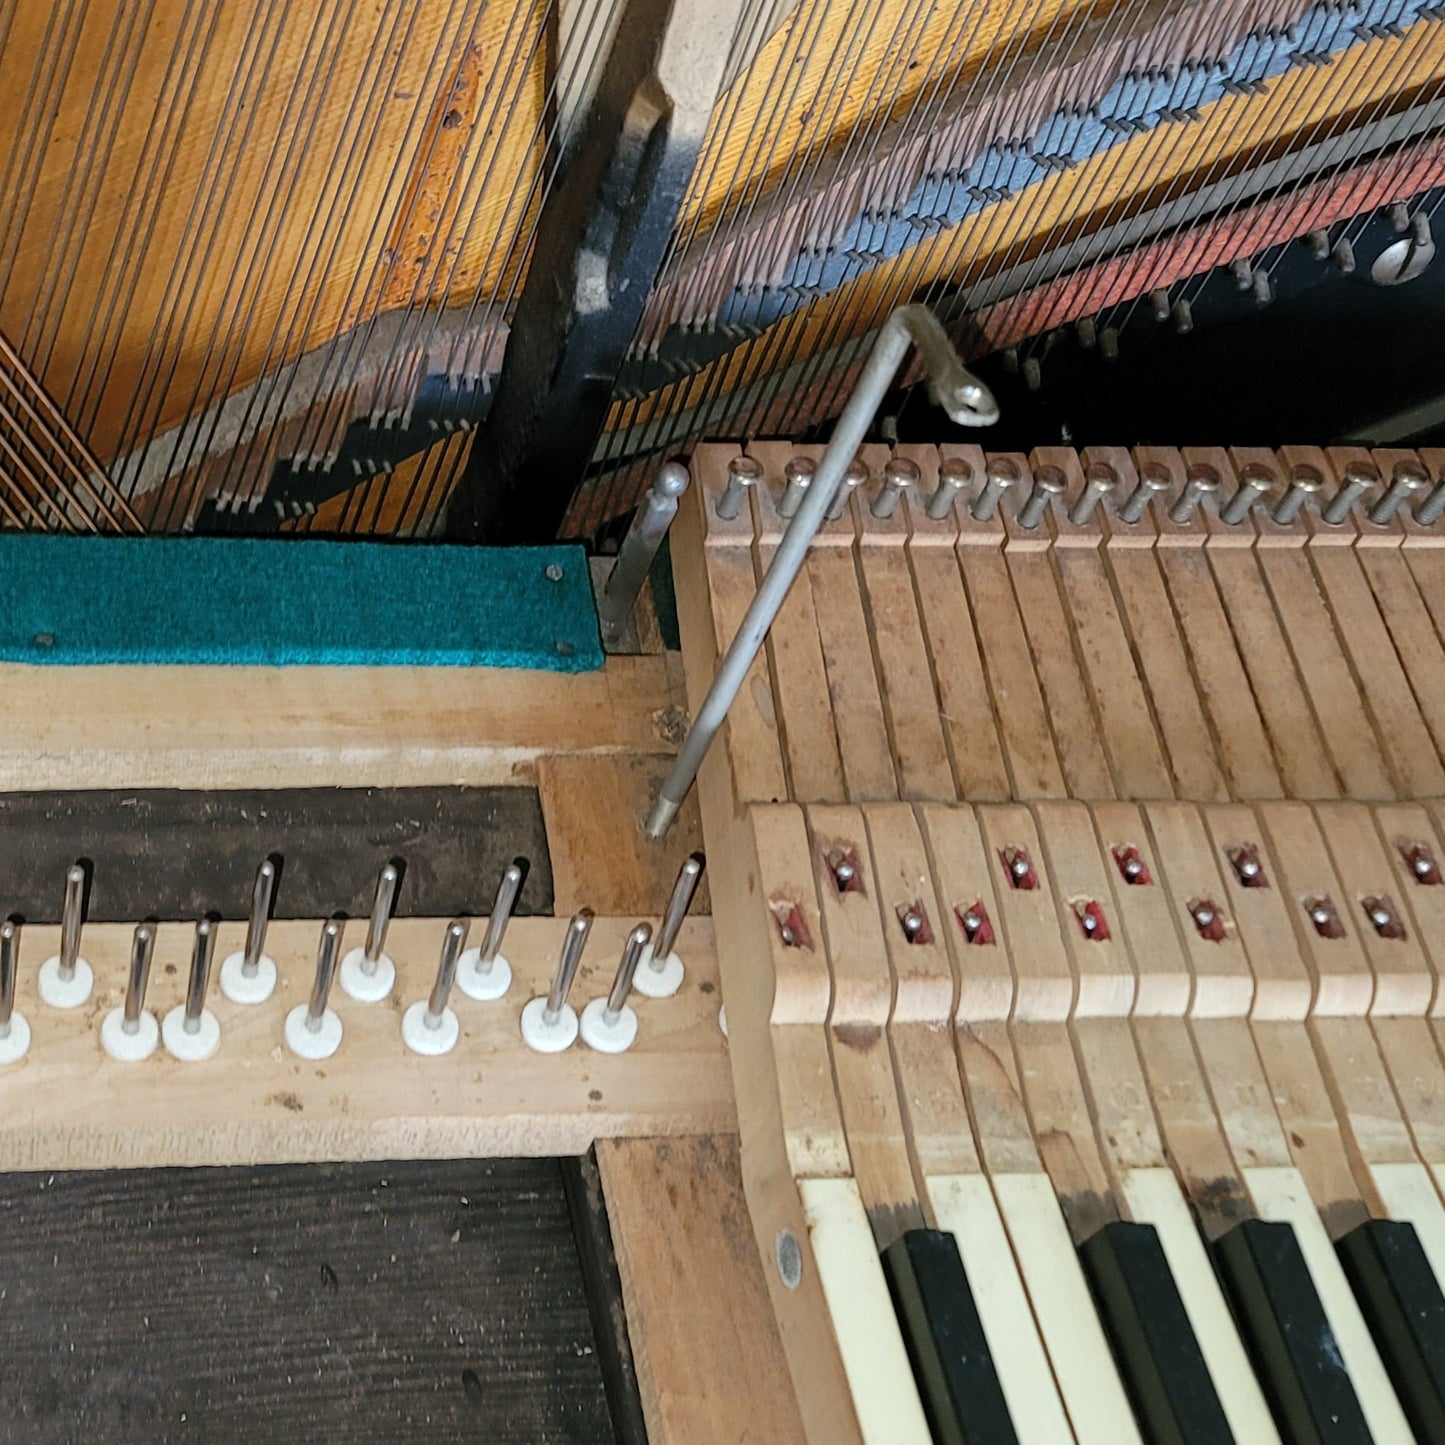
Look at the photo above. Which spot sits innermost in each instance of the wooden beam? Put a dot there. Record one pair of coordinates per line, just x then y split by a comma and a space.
70, 1106
240, 727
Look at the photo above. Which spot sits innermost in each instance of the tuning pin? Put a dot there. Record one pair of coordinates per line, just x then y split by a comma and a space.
743, 474
1410, 481
854, 477
660, 975
1255, 482
129, 1033
429, 1026
483, 973
190, 1031
14, 1031
1305, 484
1049, 485
608, 1024
1100, 481
66, 979
1001, 475
1429, 510
898, 477
797, 478
954, 477
367, 974
313, 1028
1360, 477
249, 976
1154, 481
549, 1024
1200, 481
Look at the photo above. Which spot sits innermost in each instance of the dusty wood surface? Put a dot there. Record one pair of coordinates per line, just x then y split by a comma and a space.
72, 1106
304, 727
594, 807
709, 1361
368, 1302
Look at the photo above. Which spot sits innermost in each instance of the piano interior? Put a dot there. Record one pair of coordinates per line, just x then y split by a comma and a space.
795, 647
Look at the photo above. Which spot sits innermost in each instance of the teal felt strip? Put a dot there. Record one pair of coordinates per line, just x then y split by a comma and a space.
87, 600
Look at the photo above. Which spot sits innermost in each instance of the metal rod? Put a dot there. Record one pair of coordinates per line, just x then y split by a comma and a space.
1254, 483
855, 477
634, 559
683, 890
326, 954
71, 919
201, 952
572, 946
898, 476
9, 967
1154, 481
1409, 481
1305, 483
1359, 479
142, 946
954, 477
507, 891
626, 970
452, 946
380, 917
965, 399
261, 896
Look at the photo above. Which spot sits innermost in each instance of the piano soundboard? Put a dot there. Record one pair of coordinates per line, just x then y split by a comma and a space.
1076, 850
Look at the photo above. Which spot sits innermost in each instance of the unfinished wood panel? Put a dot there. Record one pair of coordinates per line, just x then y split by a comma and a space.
703, 1336
601, 859
254, 1101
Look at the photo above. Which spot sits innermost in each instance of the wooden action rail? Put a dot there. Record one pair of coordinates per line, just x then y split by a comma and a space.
939, 658
71, 1106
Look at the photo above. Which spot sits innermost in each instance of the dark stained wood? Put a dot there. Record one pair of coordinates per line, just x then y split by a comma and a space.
178, 854
359, 1303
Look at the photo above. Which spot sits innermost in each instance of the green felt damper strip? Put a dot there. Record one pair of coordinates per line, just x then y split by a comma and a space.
87, 600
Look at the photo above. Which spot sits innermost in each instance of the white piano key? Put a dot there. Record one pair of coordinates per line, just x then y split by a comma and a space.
964, 1205
1280, 1195
1083, 1364
861, 1308
1154, 1197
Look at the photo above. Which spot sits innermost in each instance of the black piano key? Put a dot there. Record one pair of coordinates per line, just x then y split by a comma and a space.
1153, 1341
1288, 1336
1401, 1301
957, 1383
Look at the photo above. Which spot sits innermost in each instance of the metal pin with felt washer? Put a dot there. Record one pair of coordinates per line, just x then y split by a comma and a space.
1100, 481
129, 1033
429, 1026
855, 477
608, 1024
661, 971
483, 973
549, 1024
1409, 481
313, 1029
744, 473
1154, 481
1359, 478
190, 1031
1305, 485
14, 1030
65, 978
899, 476
1049, 485
249, 976
797, 478
1255, 483
1000, 477
367, 974
1200, 481
955, 476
